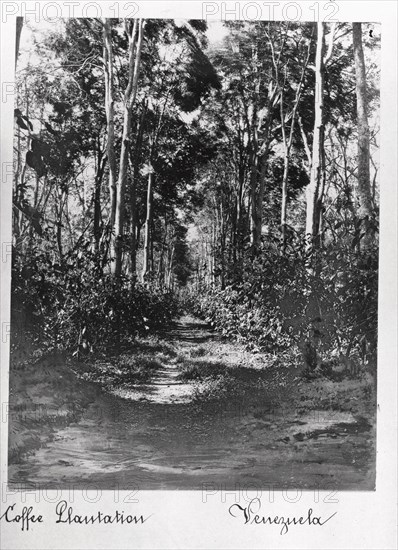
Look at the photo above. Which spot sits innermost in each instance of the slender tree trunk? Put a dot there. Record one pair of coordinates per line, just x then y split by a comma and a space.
261, 164
97, 202
110, 127
287, 145
163, 246
254, 239
315, 192
110, 109
135, 161
261, 188
364, 189
239, 214
133, 226
148, 224
222, 245
151, 260
314, 197
170, 267
286, 162
255, 236
148, 245
129, 98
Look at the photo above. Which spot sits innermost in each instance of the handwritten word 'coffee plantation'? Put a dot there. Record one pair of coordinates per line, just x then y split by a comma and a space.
66, 515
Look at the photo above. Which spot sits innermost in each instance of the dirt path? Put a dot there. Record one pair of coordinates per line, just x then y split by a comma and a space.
161, 436
165, 386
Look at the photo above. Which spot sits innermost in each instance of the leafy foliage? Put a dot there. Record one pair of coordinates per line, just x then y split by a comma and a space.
72, 307
275, 303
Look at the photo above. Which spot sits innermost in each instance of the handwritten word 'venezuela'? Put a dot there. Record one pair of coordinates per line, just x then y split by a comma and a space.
251, 516
65, 514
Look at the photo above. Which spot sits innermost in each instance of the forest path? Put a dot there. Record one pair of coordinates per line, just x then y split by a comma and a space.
164, 435
165, 386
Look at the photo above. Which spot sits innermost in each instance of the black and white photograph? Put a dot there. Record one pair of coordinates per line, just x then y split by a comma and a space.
194, 261
195, 254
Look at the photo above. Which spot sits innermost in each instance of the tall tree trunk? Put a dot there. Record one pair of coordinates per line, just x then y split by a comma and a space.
133, 225
364, 190
97, 201
148, 245
287, 144
110, 126
223, 236
255, 235
151, 260
170, 267
286, 162
163, 247
254, 198
129, 98
135, 162
315, 192
148, 224
314, 188
263, 160
239, 214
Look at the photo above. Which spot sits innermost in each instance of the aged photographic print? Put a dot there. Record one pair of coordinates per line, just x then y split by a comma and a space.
195, 254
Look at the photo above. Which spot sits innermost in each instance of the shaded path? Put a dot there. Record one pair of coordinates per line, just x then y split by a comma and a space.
155, 437
165, 386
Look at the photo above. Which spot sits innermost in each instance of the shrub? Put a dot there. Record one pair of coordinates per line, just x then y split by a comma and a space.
277, 302
77, 307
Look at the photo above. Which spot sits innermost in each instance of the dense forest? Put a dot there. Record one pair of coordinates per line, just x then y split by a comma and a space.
156, 171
